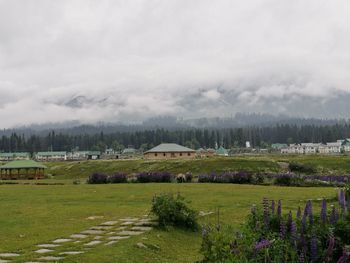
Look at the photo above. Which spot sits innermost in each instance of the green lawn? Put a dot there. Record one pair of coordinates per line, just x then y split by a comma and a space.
33, 214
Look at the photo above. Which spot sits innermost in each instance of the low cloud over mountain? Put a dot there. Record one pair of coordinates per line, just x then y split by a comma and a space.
131, 60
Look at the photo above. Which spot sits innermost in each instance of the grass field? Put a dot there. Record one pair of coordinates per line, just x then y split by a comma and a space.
264, 163
33, 214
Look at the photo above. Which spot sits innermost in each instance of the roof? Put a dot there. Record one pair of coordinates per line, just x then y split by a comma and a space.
15, 154
93, 153
22, 164
278, 145
129, 150
50, 153
221, 151
169, 147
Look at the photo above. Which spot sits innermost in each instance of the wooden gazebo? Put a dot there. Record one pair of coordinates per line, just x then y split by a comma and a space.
24, 169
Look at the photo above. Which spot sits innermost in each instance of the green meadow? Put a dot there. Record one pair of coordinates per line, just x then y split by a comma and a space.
35, 214
32, 213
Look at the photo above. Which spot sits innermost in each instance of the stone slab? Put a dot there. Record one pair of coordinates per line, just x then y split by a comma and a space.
130, 233
101, 227
109, 223
127, 223
62, 240
129, 219
72, 252
118, 237
93, 232
142, 228
111, 242
48, 245
9, 255
78, 236
93, 243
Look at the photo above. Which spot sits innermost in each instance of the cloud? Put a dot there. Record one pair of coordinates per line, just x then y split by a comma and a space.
128, 60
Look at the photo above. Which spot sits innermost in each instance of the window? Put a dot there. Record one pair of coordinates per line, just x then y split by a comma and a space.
188, 154
180, 154
164, 154
156, 154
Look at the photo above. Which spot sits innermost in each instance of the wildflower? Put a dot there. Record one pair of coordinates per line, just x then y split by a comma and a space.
264, 243
283, 229
279, 208
313, 248
324, 211
266, 212
273, 207
299, 213
330, 248
344, 258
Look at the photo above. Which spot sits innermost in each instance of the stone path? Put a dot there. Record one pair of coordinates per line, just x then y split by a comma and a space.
108, 233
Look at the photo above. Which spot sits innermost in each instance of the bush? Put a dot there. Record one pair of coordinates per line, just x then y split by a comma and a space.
118, 178
288, 180
156, 177
172, 210
228, 177
97, 178
301, 168
188, 177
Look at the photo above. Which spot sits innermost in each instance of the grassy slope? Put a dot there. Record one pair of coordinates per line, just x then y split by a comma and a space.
84, 168
32, 214
265, 163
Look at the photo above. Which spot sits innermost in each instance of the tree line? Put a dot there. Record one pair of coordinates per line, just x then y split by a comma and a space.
192, 137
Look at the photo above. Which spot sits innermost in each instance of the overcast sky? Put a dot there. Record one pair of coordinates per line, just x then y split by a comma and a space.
128, 60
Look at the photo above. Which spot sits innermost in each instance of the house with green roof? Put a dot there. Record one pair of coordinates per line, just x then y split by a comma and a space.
222, 151
23, 169
170, 150
51, 156
14, 156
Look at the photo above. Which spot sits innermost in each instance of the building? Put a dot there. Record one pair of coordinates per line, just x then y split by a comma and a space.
201, 152
170, 150
293, 149
128, 153
221, 151
14, 156
310, 148
23, 169
278, 146
51, 156
93, 155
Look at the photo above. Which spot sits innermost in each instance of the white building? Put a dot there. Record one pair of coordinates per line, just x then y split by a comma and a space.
51, 156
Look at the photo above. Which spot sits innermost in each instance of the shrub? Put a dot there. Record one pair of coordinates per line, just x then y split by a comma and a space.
228, 177
155, 177
118, 178
301, 168
172, 210
97, 178
188, 177
288, 180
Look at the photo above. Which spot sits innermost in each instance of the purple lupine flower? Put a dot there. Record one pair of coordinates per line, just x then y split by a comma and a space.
334, 215
324, 211
344, 258
279, 208
313, 248
262, 244
299, 213
329, 252
283, 229
303, 224
306, 209
273, 207
293, 232
309, 212
266, 212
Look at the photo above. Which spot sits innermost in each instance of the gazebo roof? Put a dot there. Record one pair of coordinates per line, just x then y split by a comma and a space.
22, 165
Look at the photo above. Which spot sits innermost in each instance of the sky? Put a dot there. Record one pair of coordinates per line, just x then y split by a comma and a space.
125, 61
